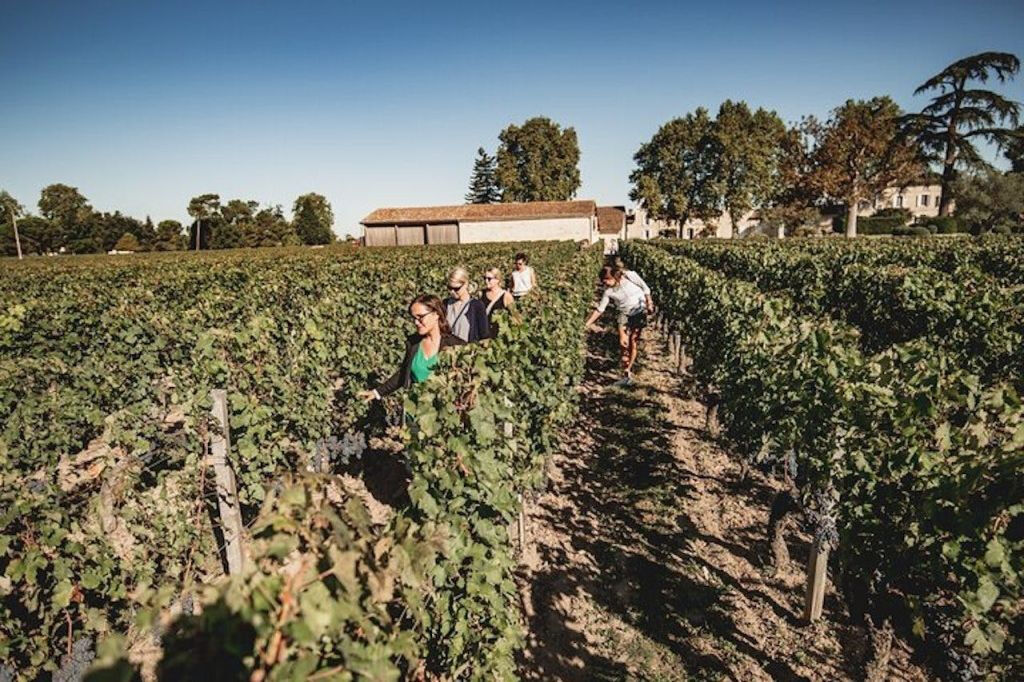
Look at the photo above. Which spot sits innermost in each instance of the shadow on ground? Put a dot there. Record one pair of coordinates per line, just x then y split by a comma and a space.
619, 588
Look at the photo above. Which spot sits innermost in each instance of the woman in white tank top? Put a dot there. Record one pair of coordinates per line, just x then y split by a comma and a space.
524, 278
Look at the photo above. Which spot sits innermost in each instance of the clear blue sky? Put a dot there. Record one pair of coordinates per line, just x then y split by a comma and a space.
144, 104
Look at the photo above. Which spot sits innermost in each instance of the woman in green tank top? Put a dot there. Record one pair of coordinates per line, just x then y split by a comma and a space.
422, 366
421, 349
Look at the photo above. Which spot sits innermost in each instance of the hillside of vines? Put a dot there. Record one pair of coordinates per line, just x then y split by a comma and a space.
883, 381
109, 552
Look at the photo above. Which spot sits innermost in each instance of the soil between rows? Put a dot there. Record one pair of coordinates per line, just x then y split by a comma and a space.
645, 558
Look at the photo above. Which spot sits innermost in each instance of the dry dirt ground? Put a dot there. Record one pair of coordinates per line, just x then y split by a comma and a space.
645, 557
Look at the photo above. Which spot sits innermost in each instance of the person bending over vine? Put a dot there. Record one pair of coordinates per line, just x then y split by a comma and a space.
632, 300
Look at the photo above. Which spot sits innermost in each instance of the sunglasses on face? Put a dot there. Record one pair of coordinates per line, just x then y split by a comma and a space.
488, 278
419, 318
455, 287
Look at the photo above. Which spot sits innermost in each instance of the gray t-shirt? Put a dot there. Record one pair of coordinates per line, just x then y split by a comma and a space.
457, 313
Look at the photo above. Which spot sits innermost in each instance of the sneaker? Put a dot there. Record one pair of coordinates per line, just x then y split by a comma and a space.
624, 381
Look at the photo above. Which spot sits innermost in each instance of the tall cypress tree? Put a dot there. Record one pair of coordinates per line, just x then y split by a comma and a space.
483, 185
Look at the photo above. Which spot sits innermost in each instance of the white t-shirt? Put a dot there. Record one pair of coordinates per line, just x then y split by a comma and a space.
637, 280
522, 280
627, 295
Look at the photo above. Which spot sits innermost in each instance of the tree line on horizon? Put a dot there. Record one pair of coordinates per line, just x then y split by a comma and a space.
67, 221
694, 166
702, 167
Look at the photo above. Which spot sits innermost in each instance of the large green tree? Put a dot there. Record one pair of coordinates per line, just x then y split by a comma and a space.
483, 183
63, 204
205, 210
962, 114
269, 227
103, 230
538, 161
860, 152
793, 204
10, 211
127, 242
38, 235
313, 218
747, 149
169, 236
990, 201
1015, 151
675, 170
239, 211
147, 234
70, 211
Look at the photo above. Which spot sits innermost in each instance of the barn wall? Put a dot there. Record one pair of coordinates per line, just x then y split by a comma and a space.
525, 230
411, 235
443, 234
380, 236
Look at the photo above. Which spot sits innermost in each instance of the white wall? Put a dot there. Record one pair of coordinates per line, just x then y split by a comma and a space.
526, 230
911, 200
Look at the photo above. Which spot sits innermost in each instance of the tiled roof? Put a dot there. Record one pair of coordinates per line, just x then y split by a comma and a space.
532, 210
610, 219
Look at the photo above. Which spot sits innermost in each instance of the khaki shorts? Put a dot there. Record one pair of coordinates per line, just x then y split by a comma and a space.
634, 319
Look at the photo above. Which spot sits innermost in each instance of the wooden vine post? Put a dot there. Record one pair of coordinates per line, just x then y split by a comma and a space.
522, 525
817, 575
227, 493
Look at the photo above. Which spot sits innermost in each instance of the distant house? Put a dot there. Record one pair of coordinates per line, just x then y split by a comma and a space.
475, 223
920, 198
611, 226
642, 226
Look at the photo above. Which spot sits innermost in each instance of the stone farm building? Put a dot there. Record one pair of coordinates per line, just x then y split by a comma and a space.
475, 223
584, 220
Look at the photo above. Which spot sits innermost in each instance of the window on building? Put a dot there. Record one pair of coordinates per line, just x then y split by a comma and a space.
897, 201
863, 205
922, 200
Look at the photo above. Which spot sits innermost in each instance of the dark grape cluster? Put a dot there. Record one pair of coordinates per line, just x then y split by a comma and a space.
823, 515
74, 666
955, 659
337, 451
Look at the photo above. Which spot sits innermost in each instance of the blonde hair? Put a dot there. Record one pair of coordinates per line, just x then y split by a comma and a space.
459, 274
